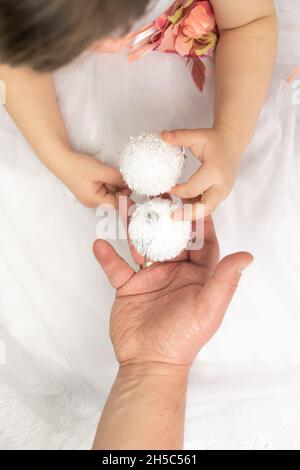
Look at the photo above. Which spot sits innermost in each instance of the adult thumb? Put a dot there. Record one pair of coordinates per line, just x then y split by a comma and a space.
219, 290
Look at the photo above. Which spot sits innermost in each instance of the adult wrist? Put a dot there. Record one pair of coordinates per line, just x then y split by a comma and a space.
154, 368
152, 379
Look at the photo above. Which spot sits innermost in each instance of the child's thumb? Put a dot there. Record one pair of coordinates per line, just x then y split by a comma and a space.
183, 137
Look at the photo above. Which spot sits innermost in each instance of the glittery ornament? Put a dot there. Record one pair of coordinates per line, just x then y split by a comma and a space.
150, 166
155, 234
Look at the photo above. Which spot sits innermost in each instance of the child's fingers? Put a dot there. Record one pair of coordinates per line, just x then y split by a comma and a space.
111, 176
111, 189
211, 199
203, 208
183, 138
104, 197
109, 200
196, 185
189, 212
125, 192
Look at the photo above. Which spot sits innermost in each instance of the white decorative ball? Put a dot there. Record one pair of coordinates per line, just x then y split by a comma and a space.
155, 234
150, 166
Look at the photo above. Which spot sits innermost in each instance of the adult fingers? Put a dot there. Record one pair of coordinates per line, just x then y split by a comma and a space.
126, 212
208, 253
116, 269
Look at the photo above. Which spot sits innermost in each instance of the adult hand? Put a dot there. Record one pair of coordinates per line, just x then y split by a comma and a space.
163, 315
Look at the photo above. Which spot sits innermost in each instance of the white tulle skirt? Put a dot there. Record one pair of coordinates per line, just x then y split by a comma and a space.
55, 300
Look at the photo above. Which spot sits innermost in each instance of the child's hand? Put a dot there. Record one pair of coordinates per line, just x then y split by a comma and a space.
91, 181
219, 153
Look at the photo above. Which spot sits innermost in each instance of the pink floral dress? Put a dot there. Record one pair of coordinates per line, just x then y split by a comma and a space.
187, 28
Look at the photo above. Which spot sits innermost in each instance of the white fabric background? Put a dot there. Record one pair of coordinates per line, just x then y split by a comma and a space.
55, 301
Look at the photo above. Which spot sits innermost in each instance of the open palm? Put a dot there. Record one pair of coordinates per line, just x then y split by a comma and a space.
168, 312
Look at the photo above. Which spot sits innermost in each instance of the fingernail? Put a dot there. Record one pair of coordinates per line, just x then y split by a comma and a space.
166, 135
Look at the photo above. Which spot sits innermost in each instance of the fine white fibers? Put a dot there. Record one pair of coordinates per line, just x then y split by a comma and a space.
155, 234
150, 166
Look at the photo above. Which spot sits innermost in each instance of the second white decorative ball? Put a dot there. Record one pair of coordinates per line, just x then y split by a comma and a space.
150, 166
155, 234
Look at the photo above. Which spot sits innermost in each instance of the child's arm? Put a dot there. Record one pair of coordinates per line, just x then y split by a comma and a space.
244, 62
31, 101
